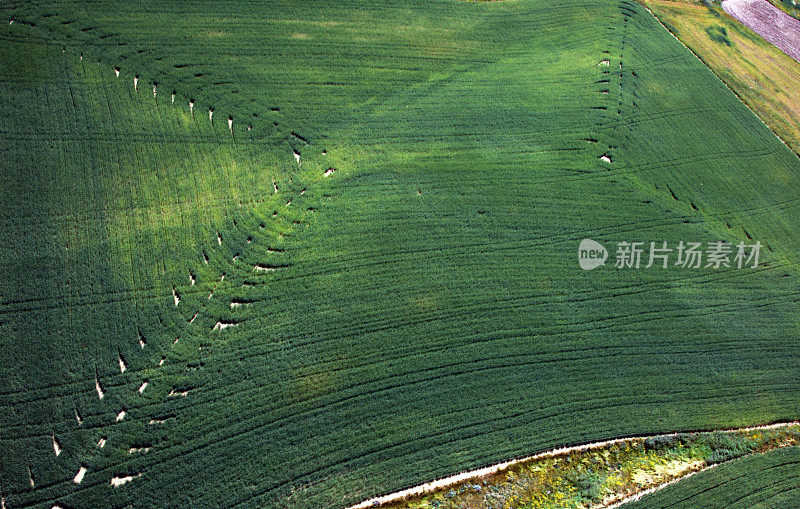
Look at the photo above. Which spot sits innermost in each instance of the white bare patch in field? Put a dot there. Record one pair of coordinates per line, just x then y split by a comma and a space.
235, 257
134, 450
56, 446
192, 278
288, 203
329, 172
604, 62
102, 442
157, 421
121, 415
237, 304
78, 418
142, 387
605, 158
296, 156
224, 325
100, 392
211, 295
274, 187
81, 57
175, 394
173, 97
190, 321
122, 365
142, 342
191, 110
222, 278
154, 90
211, 115
30, 478
230, 124
175, 297
136, 82
219, 239
173, 344
79, 476
119, 481
116, 70
161, 362
264, 268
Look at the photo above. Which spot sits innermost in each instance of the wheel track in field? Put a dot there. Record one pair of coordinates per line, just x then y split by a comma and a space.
185, 291
718, 78
231, 437
198, 449
632, 11
522, 301
156, 293
165, 295
637, 288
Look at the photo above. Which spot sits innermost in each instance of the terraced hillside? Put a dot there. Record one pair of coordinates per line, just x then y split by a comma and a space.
760, 480
349, 266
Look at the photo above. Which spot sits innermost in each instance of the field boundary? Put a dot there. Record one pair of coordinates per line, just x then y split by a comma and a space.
482, 472
717, 75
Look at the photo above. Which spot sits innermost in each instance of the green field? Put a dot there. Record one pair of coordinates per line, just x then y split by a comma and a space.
768, 480
418, 311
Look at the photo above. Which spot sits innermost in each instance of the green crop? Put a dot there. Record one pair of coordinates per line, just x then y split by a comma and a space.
369, 280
